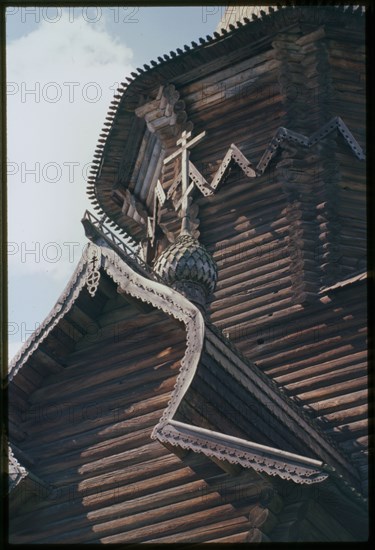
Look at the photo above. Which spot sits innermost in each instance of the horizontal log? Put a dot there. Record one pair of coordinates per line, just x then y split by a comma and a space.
74, 421
339, 389
296, 374
349, 431
122, 341
94, 438
67, 498
251, 301
348, 416
280, 266
141, 367
341, 402
330, 347
260, 60
100, 450
168, 513
123, 459
353, 445
157, 375
233, 318
204, 517
327, 379
231, 529
183, 497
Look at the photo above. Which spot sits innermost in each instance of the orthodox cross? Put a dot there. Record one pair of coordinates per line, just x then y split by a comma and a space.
190, 173
183, 177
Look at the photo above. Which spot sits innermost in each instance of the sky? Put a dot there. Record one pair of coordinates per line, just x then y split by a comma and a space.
63, 68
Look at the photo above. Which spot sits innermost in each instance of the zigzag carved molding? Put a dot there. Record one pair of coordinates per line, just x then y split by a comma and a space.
234, 155
282, 134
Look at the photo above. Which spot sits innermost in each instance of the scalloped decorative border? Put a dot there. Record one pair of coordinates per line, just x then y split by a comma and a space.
174, 304
62, 306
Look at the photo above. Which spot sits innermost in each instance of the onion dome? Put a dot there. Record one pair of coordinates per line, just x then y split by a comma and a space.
187, 266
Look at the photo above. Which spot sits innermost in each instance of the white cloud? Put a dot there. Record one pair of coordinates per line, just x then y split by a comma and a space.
61, 79
58, 139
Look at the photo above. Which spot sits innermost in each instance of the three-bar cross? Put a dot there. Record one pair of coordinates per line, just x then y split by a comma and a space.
184, 151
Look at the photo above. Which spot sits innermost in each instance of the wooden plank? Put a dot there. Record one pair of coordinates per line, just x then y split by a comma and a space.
17, 397
249, 415
331, 529
126, 337
43, 359
16, 433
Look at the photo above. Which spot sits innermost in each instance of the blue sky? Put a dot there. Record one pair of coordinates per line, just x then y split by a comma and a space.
63, 66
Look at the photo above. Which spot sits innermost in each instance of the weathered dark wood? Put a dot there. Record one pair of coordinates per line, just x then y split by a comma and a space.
289, 245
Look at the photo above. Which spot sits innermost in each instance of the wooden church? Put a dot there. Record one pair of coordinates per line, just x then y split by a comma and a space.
203, 376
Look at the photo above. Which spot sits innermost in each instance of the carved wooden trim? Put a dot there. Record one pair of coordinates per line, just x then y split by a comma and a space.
270, 396
248, 454
175, 304
16, 472
61, 308
283, 139
172, 303
283, 134
239, 451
